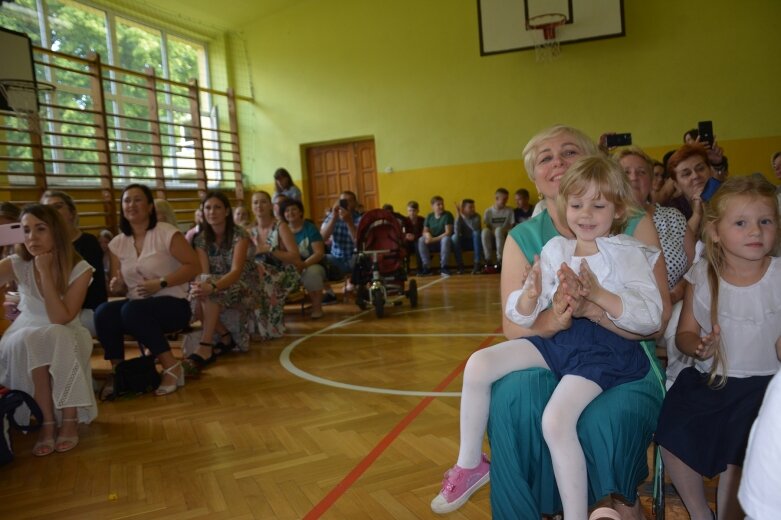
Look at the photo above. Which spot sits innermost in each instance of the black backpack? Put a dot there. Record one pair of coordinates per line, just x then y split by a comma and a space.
135, 376
8, 405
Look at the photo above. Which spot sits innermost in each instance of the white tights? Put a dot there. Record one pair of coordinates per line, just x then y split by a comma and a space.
559, 419
691, 488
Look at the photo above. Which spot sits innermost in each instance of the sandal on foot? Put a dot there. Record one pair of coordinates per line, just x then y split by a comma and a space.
64, 444
169, 389
603, 513
199, 361
107, 390
46, 446
221, 348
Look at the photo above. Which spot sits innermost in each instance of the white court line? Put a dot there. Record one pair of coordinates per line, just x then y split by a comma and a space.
285, 361
423, 310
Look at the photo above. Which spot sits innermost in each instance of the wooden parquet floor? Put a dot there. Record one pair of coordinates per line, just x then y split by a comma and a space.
251, 440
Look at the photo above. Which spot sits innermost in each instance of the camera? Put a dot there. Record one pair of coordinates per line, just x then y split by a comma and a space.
614, 140
343, 203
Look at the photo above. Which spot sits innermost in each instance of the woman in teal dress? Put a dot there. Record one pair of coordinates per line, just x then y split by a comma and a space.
616, 428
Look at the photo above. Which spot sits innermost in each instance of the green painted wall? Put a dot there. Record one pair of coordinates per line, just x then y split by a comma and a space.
449, 121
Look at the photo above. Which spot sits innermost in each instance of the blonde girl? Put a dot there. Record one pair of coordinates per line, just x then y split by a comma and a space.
615, 274
731, 325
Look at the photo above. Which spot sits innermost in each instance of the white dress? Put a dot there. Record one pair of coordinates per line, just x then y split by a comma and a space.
33, 341
623, 265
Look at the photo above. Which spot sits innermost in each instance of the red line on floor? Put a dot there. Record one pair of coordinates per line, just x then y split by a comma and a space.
386, 441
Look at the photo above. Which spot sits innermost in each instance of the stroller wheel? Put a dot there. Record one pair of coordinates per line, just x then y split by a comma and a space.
379, 302
362, 298
412, 293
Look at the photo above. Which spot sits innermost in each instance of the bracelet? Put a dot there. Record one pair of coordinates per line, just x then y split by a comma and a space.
214, 286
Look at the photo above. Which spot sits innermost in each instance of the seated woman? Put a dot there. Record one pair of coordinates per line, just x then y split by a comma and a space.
229, 280
152, 262
312, 250
88, 247
46, 351
676, 238
276, 256
616, 428
678, 244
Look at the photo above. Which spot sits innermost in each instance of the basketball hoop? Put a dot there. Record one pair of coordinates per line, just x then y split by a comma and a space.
22, 97
543, 27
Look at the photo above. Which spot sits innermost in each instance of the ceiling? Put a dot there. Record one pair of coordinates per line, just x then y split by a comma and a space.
226, 14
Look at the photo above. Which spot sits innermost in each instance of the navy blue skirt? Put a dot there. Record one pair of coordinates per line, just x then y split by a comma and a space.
591, 351
708, 428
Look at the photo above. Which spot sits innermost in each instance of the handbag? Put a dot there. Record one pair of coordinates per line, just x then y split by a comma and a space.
8, 405
135, 376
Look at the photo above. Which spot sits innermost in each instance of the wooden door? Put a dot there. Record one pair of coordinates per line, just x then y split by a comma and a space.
335, 168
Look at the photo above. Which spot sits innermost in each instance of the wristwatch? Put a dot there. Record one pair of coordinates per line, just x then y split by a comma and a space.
163, 283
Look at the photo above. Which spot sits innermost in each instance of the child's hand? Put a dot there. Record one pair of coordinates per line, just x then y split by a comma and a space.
562, 310
708, 344
588, 286
532, 284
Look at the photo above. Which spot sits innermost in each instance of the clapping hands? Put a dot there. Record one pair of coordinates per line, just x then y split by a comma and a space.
708, 344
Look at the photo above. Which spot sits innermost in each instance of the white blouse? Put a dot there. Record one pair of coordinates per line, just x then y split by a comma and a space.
749, 317
623, 266
154, 262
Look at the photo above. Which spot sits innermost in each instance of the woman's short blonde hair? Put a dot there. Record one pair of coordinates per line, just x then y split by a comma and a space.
608, 177
637, 152
165, 212
530, 151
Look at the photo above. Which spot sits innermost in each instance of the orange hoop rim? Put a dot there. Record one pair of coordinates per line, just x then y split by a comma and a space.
547, 22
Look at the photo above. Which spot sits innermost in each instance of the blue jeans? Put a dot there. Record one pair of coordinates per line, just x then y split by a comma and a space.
425, 250
462, 243
148, 320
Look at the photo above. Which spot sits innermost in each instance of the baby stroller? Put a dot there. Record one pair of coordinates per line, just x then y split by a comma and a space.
379, 264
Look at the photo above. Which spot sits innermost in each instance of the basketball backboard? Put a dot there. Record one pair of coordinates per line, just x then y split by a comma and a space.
16, 60
503, 22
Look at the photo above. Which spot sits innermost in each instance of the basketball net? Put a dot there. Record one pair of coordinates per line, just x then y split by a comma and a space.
546, 41
22, 97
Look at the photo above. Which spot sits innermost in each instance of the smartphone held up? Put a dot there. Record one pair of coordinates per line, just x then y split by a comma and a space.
11, 234
705, 131
616, 140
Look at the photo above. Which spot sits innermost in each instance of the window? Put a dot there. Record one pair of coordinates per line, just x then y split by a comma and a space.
21, 16
74, 28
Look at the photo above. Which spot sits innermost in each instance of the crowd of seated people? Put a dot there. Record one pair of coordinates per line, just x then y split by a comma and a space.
64, 277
